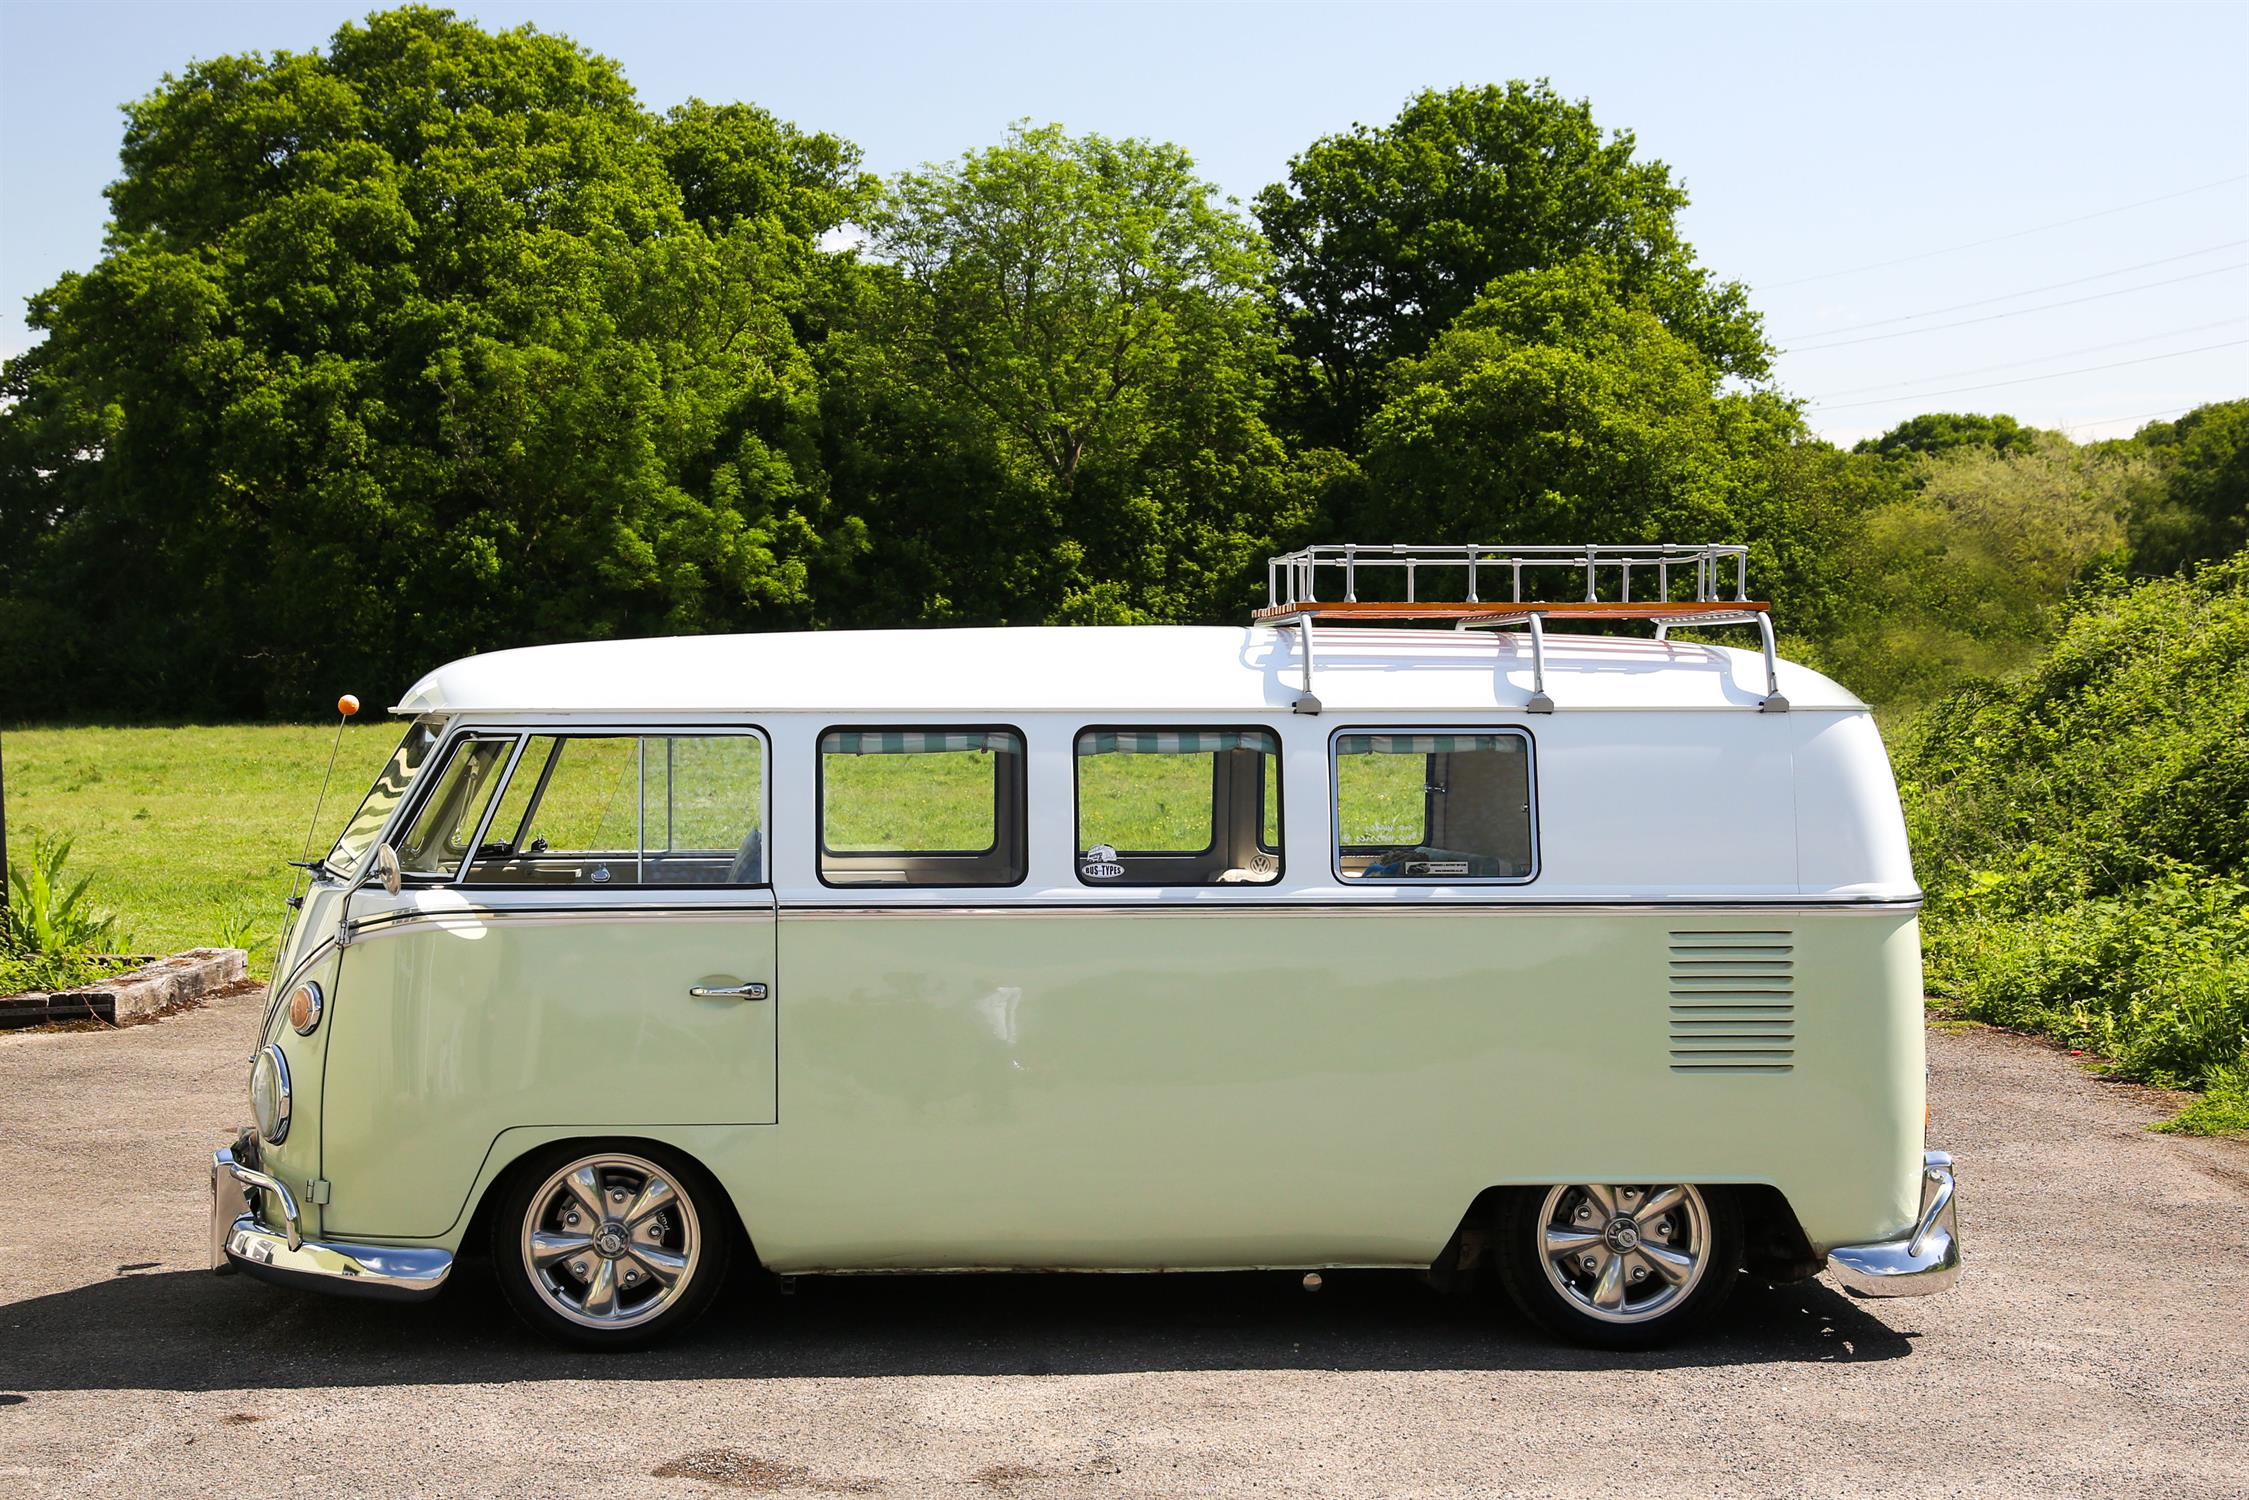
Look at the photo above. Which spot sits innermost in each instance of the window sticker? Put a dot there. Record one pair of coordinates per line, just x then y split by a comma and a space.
1100, 863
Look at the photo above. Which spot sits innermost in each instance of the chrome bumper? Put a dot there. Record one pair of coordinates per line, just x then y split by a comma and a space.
241, 1241
1924, 1261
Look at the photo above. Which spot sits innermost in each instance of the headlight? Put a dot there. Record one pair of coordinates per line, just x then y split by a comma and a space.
305, 1003
269, 1095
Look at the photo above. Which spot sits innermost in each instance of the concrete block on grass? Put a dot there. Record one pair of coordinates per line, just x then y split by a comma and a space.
136, 992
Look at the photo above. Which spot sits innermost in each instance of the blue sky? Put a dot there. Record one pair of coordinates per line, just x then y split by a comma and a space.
2065, 188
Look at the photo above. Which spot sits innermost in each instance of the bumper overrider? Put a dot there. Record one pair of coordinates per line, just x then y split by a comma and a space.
1923, 1261
241, 1240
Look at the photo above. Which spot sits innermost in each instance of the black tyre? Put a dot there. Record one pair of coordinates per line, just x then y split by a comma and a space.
610, 1246
1619, 1266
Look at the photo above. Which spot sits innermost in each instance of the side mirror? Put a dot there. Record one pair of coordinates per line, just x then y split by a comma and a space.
386, 868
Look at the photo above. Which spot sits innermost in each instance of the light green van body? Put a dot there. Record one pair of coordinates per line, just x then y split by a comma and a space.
1057, 1076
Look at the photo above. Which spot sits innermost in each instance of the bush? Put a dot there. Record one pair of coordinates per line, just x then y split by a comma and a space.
47, 917
2083, 832
2157, 979
51, 927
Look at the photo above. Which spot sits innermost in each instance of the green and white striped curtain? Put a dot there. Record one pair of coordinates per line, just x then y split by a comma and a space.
1173, 741
1423, 744
916, 741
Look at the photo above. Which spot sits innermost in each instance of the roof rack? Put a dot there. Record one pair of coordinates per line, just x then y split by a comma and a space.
1684, 583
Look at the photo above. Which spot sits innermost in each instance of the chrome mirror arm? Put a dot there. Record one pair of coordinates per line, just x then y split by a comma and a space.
383, 866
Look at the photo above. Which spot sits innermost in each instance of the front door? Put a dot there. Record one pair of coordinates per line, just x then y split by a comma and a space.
604, 962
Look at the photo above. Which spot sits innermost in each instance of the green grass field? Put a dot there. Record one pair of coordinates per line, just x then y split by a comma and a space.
187, 832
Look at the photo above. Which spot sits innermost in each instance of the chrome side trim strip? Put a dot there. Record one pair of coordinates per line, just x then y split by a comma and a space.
1358, 909
1924, 1261
392, 923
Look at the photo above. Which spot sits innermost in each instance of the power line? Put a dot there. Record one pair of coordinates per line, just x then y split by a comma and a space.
2016, 364
2028, 291
2010, 235
1993, 385
2168, 411
2145, 286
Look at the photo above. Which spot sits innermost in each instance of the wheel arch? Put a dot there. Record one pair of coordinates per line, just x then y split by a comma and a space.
1775, 1245
518, 1151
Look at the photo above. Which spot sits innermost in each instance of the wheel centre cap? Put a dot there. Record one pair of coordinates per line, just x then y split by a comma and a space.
612, 1241
1621, 1234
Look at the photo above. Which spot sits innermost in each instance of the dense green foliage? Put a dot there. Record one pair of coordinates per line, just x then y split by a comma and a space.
1386, 234
2203, 510
1942, 431
1084, 328
2082, 831
409, 349
1958, 576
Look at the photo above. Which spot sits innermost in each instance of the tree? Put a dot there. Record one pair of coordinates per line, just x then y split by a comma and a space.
1555, 409
1385, 235
1962, 577
1082, 311
1940, 432
410, 350
2201, 510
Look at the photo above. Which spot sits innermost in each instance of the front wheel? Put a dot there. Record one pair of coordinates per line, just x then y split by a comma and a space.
610, 1249
1619, 1266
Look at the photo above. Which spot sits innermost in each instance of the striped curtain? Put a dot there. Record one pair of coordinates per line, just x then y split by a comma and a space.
1174, 741
916, 741
1425, 744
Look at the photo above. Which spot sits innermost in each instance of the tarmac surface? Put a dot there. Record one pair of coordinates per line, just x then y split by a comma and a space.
2098, 1344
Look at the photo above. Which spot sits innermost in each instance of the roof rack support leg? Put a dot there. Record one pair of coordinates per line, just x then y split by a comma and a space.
1306, 702
1540, 703
1774, 703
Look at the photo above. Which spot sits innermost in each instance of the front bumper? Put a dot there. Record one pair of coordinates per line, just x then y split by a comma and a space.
1923, 1261
240, 1240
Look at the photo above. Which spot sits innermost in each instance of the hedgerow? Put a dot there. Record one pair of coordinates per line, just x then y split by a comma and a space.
2083, 832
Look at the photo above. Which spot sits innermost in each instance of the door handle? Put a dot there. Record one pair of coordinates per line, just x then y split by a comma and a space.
751, 991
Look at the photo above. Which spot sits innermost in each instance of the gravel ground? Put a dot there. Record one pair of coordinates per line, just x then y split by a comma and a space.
2095, 1346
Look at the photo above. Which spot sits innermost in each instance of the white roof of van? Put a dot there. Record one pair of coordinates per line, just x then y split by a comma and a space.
1130, 669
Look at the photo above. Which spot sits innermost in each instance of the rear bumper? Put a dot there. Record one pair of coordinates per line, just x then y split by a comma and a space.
1926, 1259
240, 1240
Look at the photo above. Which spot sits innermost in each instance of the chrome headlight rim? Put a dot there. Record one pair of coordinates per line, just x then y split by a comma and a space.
316, 1006
270, 1072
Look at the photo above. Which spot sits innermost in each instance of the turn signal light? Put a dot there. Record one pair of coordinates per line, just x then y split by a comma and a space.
305, 1006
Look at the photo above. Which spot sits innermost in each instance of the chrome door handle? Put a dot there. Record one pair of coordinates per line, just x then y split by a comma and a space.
727, 991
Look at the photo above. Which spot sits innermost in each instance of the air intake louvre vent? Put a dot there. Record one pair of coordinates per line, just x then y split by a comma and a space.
1733, 1002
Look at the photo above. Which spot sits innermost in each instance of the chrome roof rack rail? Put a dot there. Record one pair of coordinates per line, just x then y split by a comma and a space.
1698, 584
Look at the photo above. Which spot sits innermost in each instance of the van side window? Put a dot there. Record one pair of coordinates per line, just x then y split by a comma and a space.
1178, 807
925, 807
629, 810
1450, 807
438, 839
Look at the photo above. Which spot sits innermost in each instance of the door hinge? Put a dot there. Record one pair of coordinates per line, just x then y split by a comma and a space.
316, 1191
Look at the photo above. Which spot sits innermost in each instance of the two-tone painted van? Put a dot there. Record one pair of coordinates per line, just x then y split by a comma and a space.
1588, 965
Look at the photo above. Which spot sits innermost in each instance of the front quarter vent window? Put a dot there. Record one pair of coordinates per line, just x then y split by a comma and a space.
438, 839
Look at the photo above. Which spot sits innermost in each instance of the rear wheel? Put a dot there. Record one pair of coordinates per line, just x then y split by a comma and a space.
612, 1248
1619, 1266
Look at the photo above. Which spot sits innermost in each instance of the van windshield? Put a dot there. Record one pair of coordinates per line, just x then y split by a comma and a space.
375, 809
